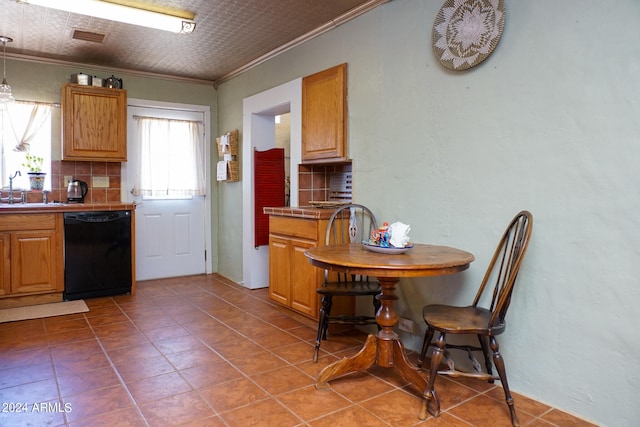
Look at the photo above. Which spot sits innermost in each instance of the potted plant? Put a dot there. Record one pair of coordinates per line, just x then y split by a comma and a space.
33, 164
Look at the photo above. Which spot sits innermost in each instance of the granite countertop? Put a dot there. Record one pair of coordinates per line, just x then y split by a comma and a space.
55, 207
310, 212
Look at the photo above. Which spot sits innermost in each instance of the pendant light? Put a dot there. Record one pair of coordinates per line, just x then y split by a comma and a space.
5, 90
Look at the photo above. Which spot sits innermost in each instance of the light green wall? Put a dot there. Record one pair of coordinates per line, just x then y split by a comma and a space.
548, 123
42, 82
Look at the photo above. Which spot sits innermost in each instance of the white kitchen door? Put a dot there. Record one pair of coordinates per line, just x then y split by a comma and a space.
170, 232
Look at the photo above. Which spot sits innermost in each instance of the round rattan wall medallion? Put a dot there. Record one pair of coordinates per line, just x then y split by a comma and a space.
465, 32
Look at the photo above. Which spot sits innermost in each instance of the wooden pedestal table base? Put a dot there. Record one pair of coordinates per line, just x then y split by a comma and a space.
366, 358
385, 349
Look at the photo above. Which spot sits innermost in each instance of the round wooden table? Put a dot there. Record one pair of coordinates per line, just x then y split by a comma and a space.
385, 348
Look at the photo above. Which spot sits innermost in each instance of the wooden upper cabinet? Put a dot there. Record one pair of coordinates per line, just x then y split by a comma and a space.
94, 123
324, 116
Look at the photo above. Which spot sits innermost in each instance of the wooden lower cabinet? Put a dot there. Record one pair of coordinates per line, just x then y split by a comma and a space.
292, 279
33, 254
33, 262
279, 269
303, 296
5, 264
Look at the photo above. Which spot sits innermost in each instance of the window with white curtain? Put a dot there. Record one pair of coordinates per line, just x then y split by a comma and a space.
25, 127
171, 159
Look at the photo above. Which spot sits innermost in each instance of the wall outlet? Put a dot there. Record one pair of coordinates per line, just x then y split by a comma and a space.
405, 325
100, 182
67, 180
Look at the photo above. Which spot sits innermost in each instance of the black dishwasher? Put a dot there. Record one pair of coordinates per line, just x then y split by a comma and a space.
97, 254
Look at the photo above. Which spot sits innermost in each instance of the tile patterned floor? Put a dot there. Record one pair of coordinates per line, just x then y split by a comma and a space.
202, 351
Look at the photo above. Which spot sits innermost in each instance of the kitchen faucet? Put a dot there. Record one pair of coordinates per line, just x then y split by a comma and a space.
10, 198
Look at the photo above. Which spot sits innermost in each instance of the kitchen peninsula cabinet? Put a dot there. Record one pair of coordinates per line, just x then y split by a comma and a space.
324, 116
94, 123
31, 245
292, 279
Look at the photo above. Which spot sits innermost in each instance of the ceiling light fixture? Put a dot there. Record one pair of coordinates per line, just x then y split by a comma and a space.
120, 13
5, 90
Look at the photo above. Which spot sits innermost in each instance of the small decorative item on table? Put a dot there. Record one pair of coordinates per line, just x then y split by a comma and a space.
381, 236
389, 239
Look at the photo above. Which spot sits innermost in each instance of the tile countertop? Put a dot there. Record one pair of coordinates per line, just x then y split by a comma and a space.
6, 208
300, 212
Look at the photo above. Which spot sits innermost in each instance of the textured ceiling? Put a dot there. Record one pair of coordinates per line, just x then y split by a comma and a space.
230, 35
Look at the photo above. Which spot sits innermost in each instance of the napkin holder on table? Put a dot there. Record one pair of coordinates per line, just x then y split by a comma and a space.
399, 234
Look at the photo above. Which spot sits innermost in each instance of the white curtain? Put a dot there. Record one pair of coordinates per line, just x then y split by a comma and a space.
40, 114
24, 127
171, 161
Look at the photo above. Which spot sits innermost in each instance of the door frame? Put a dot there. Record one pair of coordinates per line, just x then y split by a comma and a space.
125, 195
258, 132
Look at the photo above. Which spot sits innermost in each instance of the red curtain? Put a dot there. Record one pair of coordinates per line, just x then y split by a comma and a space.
269, 189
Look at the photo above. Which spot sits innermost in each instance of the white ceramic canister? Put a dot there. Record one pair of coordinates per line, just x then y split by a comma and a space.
81, 79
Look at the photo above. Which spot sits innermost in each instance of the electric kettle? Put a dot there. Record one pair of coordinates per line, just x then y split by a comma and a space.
76, 191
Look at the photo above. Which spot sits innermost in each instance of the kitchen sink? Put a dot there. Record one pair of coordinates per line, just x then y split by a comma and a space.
5, 205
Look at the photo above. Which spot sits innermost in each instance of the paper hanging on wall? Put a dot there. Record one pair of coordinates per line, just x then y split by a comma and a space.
224, 142
221, 170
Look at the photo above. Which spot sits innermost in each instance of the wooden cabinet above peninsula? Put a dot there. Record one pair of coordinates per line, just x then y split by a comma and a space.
324, 116
94, 123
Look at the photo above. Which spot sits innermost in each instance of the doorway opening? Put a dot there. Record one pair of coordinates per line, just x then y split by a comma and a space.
259, 133
283, 140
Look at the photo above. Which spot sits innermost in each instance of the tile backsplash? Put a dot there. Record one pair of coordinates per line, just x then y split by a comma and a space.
84, 171
314, 181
